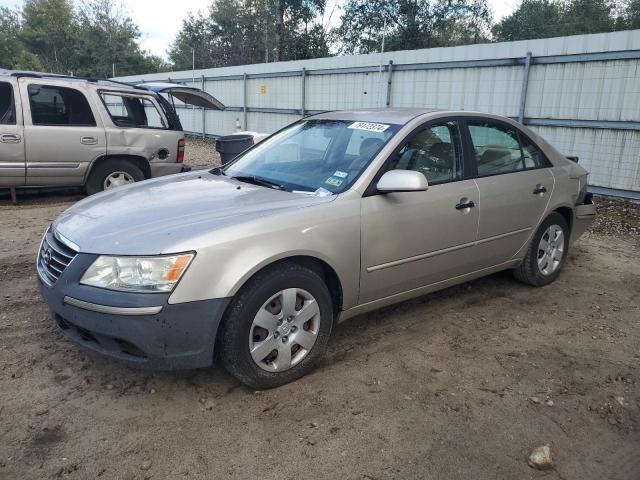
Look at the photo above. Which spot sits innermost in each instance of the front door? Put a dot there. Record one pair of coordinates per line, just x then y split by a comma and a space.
515, 186
414, 239
64, 134
12, 163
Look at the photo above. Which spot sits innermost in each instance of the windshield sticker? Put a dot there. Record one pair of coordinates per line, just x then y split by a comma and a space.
336, 182
370, 127
340, 174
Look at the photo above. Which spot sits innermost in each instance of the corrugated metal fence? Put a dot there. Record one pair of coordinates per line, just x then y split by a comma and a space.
582, 93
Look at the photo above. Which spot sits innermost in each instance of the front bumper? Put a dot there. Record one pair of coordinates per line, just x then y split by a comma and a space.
161, 169
140, 329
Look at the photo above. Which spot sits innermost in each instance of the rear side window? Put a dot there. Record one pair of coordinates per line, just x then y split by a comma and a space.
132, 111
59, 106
7, 105
500, 149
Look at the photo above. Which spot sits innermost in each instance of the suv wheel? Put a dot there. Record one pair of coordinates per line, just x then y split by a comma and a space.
547, 252
277, 327
112, 173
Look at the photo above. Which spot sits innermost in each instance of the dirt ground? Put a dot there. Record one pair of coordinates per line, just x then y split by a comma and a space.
461, 384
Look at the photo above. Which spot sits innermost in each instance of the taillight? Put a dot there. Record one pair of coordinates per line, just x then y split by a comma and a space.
181, 144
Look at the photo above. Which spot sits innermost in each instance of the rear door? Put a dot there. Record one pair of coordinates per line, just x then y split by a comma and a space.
63, 131
414, 239
12, 162
515, 186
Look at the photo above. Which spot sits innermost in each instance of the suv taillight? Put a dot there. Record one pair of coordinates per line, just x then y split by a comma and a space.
181, 144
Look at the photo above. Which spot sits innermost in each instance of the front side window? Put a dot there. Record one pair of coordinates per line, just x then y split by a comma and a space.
315, 156
434, 151
59, 106
133, 111
7, 105
498, 150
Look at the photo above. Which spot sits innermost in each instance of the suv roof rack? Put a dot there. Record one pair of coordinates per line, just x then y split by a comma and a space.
25, 74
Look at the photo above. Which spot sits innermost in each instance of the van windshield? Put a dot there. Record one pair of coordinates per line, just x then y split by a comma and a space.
315, 156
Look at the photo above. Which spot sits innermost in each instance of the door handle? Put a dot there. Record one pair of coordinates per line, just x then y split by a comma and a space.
88, 140
539, 190
465, 204
10, 138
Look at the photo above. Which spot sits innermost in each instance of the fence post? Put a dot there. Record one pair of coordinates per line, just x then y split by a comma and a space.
204, 112
525, 85
303, 94
389, 75
244, 99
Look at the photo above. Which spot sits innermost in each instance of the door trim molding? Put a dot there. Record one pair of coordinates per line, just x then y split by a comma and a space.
69, 165
435, 253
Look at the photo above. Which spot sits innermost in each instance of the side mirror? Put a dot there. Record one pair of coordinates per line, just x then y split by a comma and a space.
402, 181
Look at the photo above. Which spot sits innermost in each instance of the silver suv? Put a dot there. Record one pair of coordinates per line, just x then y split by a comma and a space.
68, 131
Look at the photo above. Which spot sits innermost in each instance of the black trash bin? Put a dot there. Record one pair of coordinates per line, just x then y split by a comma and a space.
230, 146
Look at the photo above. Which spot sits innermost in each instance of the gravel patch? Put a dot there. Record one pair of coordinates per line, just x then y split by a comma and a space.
201, 153
616, 217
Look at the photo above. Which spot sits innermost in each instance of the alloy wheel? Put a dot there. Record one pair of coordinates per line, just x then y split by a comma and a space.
550, 250
117, 179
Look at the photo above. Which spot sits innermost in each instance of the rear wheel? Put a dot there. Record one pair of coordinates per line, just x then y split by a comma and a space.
113, 173
547, 252
277, 327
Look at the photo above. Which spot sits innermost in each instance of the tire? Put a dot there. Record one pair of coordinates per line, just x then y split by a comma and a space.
263, 297
536, 270
103, 170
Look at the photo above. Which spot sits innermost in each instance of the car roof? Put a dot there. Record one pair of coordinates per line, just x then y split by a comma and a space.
55, 76
398, 116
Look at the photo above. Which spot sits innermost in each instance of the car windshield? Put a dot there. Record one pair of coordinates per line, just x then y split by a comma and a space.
315, 156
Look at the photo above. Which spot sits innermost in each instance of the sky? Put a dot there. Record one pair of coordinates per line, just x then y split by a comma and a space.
160, 20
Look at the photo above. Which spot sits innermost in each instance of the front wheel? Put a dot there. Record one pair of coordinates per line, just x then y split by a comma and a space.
547, 252
277, 327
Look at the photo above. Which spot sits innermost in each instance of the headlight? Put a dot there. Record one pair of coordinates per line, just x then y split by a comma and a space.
137, 274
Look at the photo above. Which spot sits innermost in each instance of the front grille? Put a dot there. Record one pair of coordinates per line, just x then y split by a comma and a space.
54, 256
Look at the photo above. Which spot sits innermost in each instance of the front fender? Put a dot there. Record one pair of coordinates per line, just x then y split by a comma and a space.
329, 232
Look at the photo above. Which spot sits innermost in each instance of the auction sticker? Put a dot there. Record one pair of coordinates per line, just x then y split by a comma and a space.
369, 127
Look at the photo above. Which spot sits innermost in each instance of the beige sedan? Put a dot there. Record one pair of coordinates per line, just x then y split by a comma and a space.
335, 215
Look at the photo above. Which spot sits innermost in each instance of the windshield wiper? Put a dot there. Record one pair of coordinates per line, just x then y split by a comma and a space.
259, 181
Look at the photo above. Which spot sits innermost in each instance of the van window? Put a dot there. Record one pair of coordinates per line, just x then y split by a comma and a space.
61, 106
133, 111
7, 105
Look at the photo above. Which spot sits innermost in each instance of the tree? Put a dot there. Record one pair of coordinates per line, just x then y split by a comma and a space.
588, 16
631, 15
236, 32
555, 18
107, 40
532, 19
47, 31
411, 24
13, 54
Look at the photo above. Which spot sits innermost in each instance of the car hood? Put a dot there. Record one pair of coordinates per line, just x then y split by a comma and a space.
154, 216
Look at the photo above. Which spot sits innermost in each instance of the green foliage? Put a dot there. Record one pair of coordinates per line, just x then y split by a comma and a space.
556, 18
631, 15
235, 32
13, 54
412, 24
92, 40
